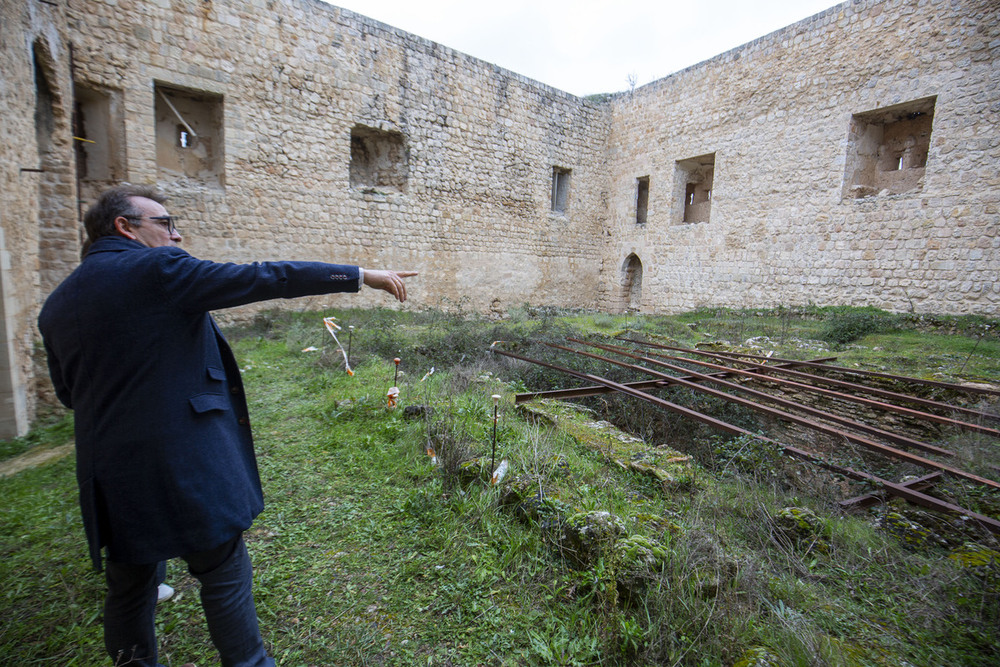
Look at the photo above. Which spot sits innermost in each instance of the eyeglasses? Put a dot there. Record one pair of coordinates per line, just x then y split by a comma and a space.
168, 222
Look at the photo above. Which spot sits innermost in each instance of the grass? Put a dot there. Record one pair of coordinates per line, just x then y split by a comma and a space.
52, 429
369, 554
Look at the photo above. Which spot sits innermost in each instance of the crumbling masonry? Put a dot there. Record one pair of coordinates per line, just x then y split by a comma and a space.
851, 158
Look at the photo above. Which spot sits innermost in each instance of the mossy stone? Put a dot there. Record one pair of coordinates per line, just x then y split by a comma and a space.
636, 560
803, 527
758, 656
585, 536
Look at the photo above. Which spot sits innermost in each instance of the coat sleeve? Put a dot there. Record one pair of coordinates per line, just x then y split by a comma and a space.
201, 286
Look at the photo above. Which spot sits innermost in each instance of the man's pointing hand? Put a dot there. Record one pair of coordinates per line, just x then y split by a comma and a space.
390, 281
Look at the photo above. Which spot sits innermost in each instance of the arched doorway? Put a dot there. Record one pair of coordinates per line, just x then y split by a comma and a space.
632, 283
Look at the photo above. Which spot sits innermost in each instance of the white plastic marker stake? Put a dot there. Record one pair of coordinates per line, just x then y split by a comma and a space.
350, 337
493, 459
430, 448
499, 473
333, 328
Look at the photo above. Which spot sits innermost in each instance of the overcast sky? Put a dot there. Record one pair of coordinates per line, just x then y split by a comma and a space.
590, 46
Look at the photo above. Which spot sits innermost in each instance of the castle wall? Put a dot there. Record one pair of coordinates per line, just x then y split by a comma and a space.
795, 123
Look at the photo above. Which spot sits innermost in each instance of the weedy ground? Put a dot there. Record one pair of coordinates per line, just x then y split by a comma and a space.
371, 553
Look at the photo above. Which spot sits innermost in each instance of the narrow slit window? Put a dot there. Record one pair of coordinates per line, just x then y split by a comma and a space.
560, 189
641, 200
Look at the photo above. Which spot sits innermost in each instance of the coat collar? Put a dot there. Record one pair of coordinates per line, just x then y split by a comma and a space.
113, 244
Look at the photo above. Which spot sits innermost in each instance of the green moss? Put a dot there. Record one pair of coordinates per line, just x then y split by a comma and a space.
909, 532
803, 527
636, 561
975, 556
758, 656
657, 522
587, 536
640, 550
980, 561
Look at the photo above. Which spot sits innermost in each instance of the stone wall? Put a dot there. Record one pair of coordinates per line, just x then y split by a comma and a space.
782, 117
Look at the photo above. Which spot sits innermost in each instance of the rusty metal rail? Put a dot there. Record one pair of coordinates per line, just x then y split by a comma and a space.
759, 372
886, 450
754, 374
763, 371
902, 491
596, 390
839, 369
869, 499
784, 402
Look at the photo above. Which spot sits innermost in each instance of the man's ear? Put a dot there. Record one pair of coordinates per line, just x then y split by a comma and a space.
124, 227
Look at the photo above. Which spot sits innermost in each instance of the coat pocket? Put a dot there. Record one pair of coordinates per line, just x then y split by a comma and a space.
216, 373
208, 402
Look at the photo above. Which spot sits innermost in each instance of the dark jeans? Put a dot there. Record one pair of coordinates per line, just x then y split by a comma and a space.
226, 578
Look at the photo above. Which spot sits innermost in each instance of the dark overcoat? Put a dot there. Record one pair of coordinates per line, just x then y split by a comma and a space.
165, 457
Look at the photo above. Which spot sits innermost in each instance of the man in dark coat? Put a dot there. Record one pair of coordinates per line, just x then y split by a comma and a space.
165, 458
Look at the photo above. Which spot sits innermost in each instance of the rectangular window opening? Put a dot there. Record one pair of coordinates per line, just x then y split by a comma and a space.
189, 135
887, 149
96, 134
696, 176
641, 200
560, 188
98, 140
378, 160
